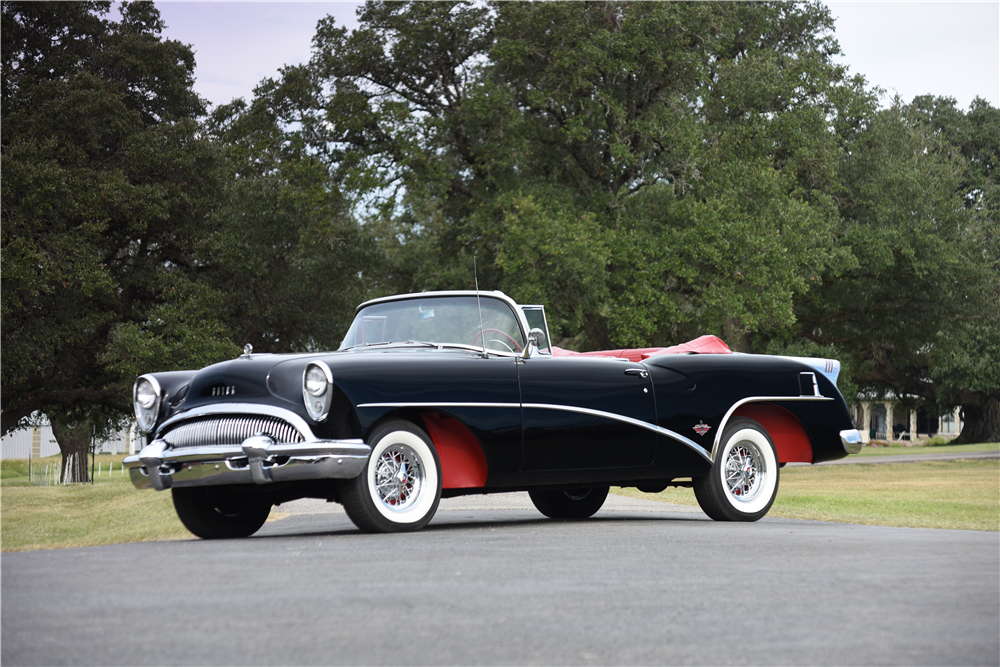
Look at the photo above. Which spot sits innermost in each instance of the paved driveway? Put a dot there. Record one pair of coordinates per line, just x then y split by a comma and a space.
491, 582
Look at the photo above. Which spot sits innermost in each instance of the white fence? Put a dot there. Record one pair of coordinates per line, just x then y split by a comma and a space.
39, 442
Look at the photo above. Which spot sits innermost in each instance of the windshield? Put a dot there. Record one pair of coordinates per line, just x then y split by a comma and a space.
444, 320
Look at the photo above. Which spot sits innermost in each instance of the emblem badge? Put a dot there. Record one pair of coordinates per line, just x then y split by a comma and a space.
702, 428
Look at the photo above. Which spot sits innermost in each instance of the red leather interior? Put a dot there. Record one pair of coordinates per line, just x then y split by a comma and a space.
701, 345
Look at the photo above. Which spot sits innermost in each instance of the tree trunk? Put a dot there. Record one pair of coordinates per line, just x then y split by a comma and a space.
981, 422
74, 443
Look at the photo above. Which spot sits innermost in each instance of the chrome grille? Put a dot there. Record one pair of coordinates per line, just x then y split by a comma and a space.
230, 430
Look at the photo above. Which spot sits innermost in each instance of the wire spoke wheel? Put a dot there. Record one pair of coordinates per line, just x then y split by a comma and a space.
744, 474
400, 488
743, 481
399, 477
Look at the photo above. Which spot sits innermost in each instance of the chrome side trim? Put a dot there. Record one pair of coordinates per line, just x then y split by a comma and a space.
292, 418
440, 404
548, 406
628, 420
851, 439
756, 399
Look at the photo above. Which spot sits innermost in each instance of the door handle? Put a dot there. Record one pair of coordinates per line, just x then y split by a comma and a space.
637, 371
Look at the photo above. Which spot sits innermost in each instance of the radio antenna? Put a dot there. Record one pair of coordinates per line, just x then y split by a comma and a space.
482, 332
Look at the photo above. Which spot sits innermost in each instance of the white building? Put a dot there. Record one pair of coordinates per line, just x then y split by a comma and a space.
887, 419
38, 442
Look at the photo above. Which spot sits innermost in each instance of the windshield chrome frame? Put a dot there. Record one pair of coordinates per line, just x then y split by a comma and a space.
522, 323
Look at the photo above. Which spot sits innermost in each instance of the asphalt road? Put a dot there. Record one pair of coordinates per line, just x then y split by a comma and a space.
491, 582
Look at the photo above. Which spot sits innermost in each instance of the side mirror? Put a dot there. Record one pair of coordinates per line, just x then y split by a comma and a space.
536, 339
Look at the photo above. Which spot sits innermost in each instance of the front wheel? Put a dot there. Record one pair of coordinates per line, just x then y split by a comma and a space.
743, 481
217, 512
570, 503
400, 488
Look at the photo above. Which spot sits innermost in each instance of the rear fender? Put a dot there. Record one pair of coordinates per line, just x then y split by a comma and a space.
787, 432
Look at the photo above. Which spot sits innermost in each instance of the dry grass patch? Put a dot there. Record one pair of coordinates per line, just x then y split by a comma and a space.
933, 494
111, 511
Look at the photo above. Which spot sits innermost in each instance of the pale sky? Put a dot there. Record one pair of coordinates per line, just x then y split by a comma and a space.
908, 48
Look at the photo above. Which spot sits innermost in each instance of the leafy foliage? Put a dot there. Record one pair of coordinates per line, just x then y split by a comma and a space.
648, 171
137, 239
105, 183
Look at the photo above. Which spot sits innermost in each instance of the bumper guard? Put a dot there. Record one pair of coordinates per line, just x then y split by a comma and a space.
851, 440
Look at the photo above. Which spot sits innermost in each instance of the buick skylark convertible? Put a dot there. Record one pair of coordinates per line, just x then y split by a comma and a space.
443, 394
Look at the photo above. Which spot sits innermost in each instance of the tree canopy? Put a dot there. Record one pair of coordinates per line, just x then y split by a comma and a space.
649, 171
135, 236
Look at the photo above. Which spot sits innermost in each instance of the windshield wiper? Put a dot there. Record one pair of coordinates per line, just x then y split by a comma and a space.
393, 342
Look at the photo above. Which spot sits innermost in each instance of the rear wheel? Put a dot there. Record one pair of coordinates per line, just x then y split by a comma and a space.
743, 482
569, 503
217, 512
400, 488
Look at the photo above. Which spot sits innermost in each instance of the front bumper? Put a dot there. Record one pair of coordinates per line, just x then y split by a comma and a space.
258, 460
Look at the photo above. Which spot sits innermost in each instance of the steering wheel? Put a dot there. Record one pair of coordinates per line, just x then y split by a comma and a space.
479, 334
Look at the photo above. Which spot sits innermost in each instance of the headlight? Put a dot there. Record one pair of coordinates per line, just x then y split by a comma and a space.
146, 394
316, 382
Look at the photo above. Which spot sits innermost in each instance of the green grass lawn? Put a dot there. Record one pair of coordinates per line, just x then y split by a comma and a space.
931, 494
926, 494
109, 511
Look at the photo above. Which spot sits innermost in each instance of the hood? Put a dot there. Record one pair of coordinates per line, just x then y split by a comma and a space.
248, 380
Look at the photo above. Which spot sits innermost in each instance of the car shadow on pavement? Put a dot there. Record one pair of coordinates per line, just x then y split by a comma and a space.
293, 526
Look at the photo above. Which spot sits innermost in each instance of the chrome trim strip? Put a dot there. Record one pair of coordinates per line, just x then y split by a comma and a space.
757, 399
548, 406
441, 404
246, 409
628, 420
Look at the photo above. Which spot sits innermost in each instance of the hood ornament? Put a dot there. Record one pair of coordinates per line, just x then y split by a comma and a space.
702, 428
247, 349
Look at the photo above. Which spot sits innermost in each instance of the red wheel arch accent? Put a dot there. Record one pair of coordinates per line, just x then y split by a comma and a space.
463, 464
789, 436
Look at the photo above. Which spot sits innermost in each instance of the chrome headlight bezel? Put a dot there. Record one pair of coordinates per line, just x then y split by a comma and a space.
317, 405
147, 415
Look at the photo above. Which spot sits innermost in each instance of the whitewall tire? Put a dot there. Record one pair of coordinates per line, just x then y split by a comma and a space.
400, 487
743, 482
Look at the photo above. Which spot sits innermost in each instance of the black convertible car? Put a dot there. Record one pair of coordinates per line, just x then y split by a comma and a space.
442, 394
